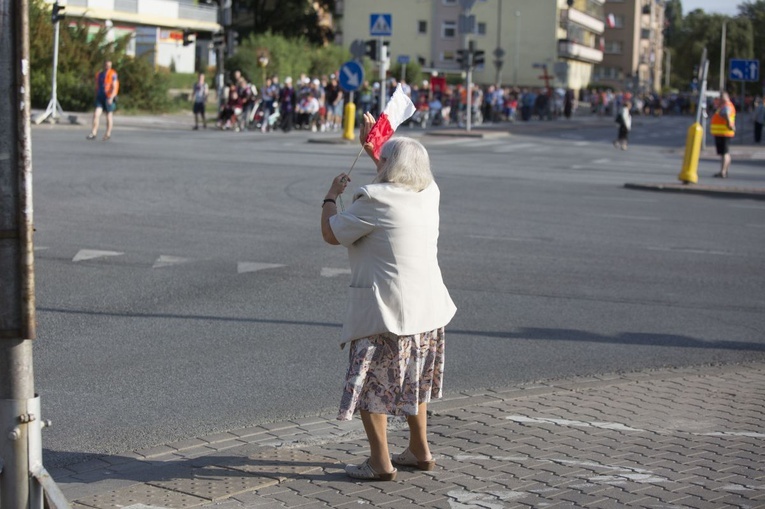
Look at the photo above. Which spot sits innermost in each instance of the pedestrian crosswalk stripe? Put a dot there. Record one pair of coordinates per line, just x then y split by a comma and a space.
90, 254
332, 272
167, 261
243, 267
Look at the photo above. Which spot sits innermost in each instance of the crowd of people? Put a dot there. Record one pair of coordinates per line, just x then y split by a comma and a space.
317, 103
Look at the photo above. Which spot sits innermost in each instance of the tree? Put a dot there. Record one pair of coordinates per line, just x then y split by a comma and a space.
754, 11
82, 53
700, 30
290, 18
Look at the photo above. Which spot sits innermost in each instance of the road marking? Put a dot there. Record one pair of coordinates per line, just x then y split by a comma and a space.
91, 254
569, 423
513, 148
40, 248
617, 216
601, 161
167, 261
486, 143
688, 250
479, 457
620, 474
512, 239
582, 143
330, 272
623, 198
243, 267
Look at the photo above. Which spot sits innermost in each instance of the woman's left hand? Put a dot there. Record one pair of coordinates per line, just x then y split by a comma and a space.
338, 186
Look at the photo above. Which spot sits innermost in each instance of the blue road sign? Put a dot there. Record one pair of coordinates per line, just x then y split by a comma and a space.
744, 70
381, 25
403, 59
351, 76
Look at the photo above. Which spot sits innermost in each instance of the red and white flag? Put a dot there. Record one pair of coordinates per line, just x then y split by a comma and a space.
398, 109
611, 21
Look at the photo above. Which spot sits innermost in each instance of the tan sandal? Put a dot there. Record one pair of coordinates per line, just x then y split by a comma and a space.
367, 473
408, 459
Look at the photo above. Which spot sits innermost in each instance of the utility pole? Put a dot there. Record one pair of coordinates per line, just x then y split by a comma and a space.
23, 480
722, 56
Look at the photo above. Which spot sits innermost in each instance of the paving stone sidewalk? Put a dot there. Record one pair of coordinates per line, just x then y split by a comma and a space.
672, 438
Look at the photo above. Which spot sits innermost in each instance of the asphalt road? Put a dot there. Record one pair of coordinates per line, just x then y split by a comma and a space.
183, 286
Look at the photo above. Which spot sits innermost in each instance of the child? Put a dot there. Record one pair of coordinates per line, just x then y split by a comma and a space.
624, 119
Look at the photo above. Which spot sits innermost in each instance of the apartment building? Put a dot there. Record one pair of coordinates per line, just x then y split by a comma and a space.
634, 46
523, 40
156, 27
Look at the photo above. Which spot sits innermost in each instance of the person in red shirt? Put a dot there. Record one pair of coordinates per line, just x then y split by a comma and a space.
107, 88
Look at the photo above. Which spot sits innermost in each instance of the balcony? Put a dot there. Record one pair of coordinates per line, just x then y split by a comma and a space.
575, 51
583, 19
160, 13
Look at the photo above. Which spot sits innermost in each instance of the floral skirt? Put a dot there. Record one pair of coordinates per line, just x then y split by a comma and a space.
392, 375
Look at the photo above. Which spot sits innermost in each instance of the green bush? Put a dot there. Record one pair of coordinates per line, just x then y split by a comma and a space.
81, 56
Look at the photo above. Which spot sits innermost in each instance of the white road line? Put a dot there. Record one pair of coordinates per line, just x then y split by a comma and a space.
244, 267
499, 237
601, 161
487, 143
167, 261
40, 248
90, 254
688, 250
332, 272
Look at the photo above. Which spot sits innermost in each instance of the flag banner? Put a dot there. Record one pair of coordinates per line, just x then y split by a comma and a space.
398, 109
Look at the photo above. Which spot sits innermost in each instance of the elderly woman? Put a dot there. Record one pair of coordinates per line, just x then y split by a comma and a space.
398, 304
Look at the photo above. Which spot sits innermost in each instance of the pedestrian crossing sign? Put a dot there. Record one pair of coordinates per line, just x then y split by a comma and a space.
381, 25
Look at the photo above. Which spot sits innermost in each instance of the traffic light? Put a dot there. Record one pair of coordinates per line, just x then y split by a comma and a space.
371, 49
219, 39
232, 41
462, 58
478, 58
189, 37
57, 14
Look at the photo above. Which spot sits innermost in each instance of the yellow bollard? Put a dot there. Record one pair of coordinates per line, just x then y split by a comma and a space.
349, 121
689, 173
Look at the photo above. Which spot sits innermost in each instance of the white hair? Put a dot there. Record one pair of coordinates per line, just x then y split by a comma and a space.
405, 161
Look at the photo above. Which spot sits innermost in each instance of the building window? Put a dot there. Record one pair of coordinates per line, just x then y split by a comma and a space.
645, 33
447, 56
481, 28
613, 47
449, 29
618, 21
422, 27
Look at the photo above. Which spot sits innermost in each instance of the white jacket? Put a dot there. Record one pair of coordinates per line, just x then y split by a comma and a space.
391, 234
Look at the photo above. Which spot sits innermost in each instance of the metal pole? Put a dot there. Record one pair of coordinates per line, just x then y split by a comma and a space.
722, 57
54, 110
17, 305
381, 61
498, 76
516, 65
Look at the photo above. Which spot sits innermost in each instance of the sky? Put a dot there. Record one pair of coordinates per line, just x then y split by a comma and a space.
728, 7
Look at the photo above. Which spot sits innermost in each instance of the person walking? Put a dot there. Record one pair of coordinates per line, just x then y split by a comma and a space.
624, 119
199, 97
759, 119
107, 88
398, 304
723, 128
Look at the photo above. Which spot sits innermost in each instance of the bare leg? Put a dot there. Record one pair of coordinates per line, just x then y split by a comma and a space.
96, 118
725, 164
418, 433
109, 123
376, 427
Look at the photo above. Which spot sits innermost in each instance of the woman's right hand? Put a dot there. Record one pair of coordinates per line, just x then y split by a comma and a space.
338, 186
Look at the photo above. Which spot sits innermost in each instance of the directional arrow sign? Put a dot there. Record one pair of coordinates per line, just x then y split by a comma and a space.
351, 76
744, 70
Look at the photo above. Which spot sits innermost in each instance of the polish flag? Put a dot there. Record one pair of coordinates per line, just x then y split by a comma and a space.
398, 109
611, 21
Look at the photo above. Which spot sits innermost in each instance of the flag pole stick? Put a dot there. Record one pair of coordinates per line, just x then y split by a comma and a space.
340, 198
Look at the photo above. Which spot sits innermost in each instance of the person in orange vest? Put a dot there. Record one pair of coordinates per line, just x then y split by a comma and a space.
723, 128
107, 88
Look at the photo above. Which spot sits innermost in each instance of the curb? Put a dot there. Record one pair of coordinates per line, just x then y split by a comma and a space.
724, 192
